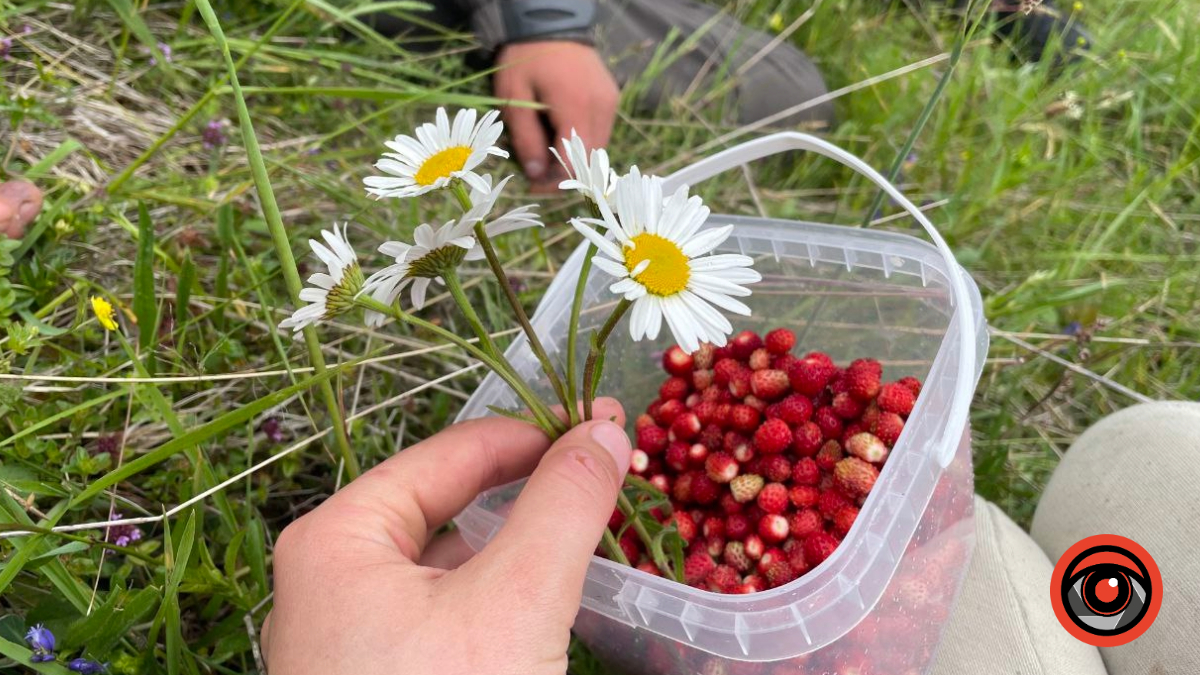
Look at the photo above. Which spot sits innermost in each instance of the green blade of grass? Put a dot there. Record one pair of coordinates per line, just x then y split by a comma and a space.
145, 306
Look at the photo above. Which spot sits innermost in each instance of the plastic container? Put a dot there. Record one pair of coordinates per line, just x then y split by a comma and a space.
877, 605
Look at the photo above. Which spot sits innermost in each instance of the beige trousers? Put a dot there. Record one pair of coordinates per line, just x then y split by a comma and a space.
1135, 474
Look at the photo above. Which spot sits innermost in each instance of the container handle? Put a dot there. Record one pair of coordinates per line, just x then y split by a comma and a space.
792, 140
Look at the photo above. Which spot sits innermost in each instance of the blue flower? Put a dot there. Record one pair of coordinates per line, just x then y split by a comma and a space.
41, 657
87, 667
40, 639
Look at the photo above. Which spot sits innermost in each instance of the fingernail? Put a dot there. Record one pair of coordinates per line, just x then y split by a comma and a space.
535, 169
613, 439
27, 211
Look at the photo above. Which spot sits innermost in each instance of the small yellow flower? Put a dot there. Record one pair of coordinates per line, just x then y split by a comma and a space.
776, 22
104, 313
1078, 6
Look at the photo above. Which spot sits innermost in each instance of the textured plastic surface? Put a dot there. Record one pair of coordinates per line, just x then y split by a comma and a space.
849, 292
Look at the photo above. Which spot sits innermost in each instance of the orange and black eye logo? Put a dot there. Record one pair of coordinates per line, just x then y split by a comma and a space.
1106, 590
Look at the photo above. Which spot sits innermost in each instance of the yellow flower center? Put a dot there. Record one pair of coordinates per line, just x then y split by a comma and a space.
669, 270
442, 164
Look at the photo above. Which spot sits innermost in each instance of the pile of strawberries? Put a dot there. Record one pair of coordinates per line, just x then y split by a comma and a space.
765, 456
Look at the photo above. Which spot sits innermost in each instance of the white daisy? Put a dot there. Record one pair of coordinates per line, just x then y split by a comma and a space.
660, 259
435, 250
590, 175
439, 153
333, 293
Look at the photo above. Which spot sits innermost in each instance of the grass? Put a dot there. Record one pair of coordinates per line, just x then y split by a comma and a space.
1071, 197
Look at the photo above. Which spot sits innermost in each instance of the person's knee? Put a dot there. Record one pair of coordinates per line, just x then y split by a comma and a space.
785, 89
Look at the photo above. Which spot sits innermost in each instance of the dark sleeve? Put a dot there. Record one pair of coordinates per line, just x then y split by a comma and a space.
498, 22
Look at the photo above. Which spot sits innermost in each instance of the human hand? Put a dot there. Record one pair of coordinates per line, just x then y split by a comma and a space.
572, 80
360, 589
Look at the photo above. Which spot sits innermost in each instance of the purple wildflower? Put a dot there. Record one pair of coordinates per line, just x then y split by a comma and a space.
26, 29
166, 52
41, 641
5, 48
109, 443
214, 134
122, 535
87, 666
1072, 328
273, 430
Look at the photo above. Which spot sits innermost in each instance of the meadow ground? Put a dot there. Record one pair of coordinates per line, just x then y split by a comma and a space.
1071, 196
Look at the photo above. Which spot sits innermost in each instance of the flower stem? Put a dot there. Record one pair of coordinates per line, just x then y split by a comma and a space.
599, 338
573, 326
612, 548
535, 343
627, 509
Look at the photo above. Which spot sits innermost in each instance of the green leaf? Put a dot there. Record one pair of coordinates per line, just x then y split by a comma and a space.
52, 158
513, 415
176, 559
20, 653
256, 555
183, 292
101, 630
145, 306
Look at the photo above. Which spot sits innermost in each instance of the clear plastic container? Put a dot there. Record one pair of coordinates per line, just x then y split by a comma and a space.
877, 605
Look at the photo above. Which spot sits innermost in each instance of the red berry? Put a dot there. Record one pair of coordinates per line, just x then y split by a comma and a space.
721, 467
756, 403
771, 412
674, 388
773, 436
806, 472
723, 579
780, 341
773, 528
724, 370
724, 412
739, 383
744, 343
754, 545
729, 505
704, 489
744, 418
669, 411
639, 461
714, 546
783, 362
677, 455
735, 556
779, 574
830, 502
712, 437
913, 384
643, 420
752, 583
677, 362
737, 526
805, 522
616, 520
702, 379
829, 455
706, 411
888, 428
795, 557
855, 476
685, 427
870, 414
853, 429
846, 407
810, 376
714, 526
697, 566
796, 409
843, 520
692, 399
716, 394
770, 557
760, 359
775, 468
697, 453
702, 358
773, 498
652, 439
684, 524
661, 483
896, 398
862, 384
803, 496
818, 546
830, 423
807, 439
867, 447
746, 487
631, 546
769, 385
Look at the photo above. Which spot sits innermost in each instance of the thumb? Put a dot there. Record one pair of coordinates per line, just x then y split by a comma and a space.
561, 513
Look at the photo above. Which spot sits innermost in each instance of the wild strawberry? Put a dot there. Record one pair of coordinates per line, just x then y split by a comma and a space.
783, 362
795, 558
639, 461
714, 526
723, 579
652, 439
735, 556
702, 379
649, 568
807, 439
697, 566
677, 455
843, 520
867, 447
643, 420
756, 403
697, 453
746, 487
706, 411
729, 505
796, 409
846, 407
652, 409
806, 472
803, 496
684, 524
760, 359
754, 545
913, 384
773, 436
773, 528
830, 423
685, 427
769, 385
630, 545
669, 411
677, 362
743, 418
692, 400
616, 520
867, 366
804, 523
737, 526
913, 593
770, 557
704, 489
780, 341
862, 384
897, 398
810, 376
775, 468
744, 343
779, 574
674, 388
771, 412
721, 467
829, 455
773, 498
752, 583
888, 428
724, 371
830, 502
855, 476
702, 358
853, 429
681, 490
716, 394
661, 483
714, 546
818, 546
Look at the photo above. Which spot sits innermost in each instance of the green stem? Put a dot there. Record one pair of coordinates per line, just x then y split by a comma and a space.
585, 269
279, 237
547, 421
598, 339
612, 548
535, 343
660, 560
